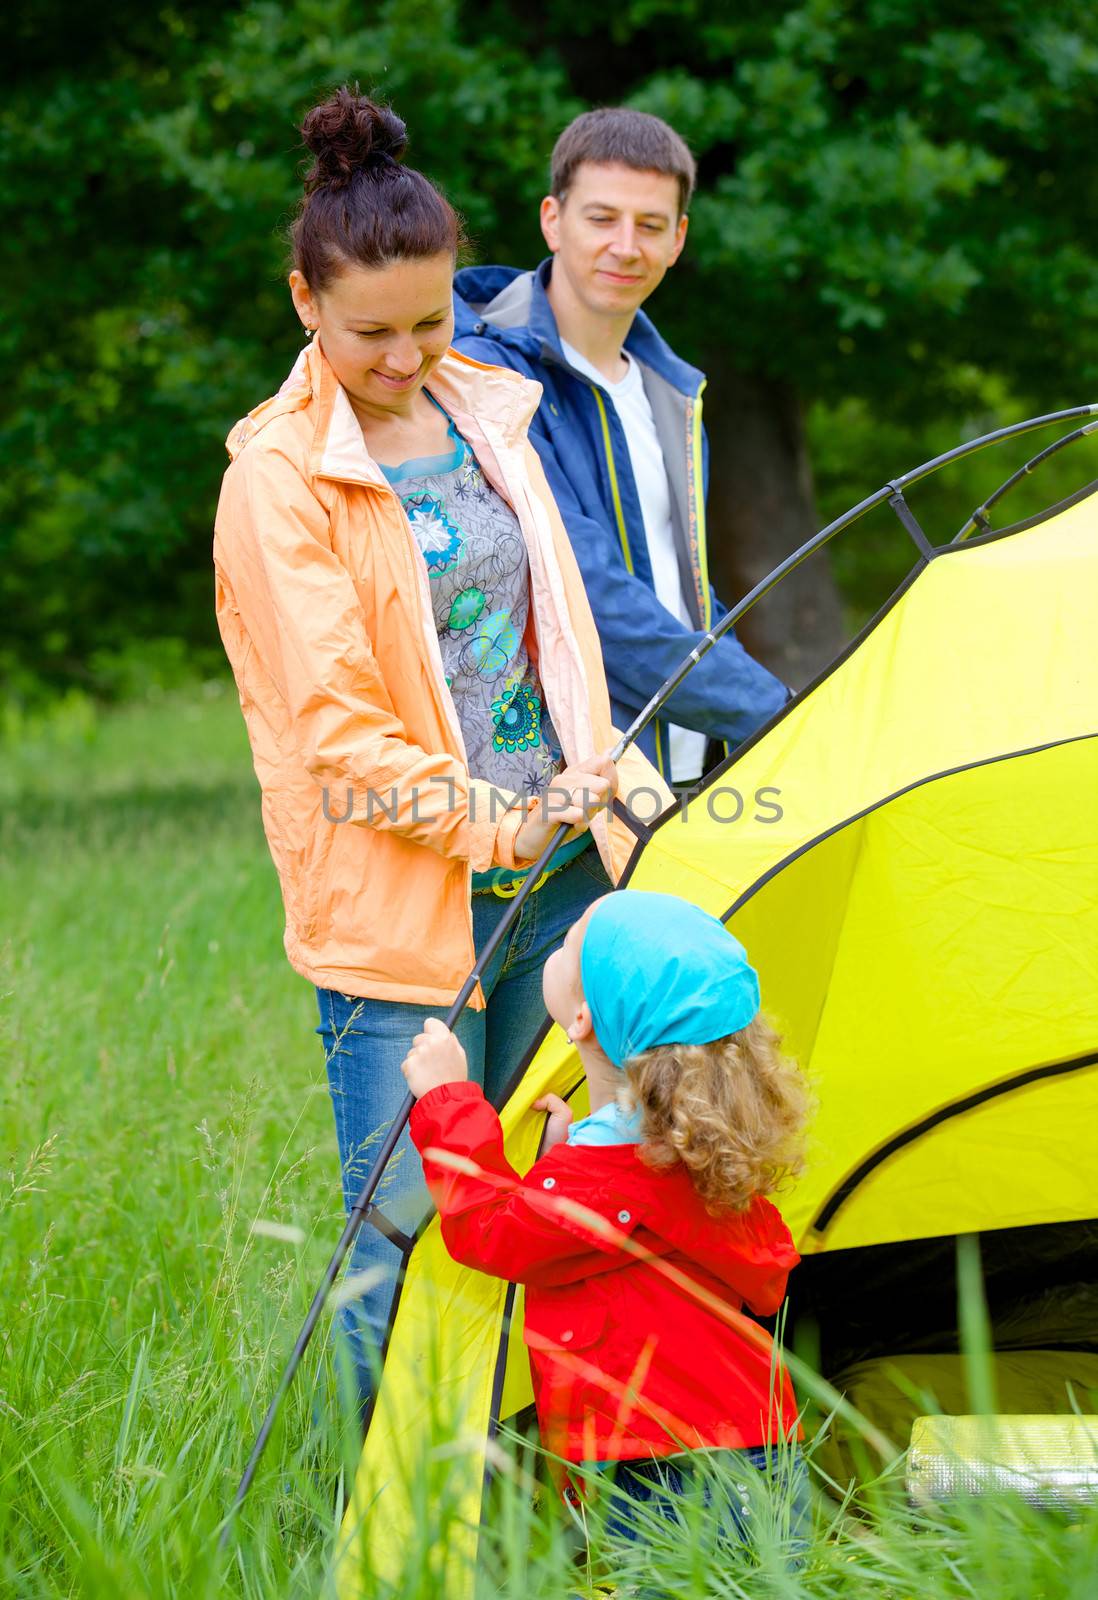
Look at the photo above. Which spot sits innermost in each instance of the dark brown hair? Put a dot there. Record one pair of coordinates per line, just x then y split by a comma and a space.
632, 138
361, 206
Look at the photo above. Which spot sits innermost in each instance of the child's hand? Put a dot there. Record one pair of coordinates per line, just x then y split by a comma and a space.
560, 1119
436, 1057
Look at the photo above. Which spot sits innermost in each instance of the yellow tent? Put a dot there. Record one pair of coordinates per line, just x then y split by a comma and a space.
910, 855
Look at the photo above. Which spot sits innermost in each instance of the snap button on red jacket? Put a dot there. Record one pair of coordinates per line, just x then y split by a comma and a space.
635, 1295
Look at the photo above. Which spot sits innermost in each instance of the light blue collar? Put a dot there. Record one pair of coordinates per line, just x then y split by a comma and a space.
609, 1125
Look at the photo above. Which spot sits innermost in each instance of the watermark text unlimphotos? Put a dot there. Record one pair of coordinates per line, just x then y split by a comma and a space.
420, 803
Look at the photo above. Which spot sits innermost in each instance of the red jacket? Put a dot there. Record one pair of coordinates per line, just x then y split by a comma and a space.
638, 1345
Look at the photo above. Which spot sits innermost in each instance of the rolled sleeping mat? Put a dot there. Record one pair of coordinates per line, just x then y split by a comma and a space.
1051, 1461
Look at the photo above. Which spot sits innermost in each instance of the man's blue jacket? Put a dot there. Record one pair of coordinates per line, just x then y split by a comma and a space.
503, 318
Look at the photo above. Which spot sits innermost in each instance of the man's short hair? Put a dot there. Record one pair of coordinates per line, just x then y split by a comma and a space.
632, 139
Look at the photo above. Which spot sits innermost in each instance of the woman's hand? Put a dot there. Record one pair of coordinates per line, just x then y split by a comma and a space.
574, 796
435, 1058
560, 1119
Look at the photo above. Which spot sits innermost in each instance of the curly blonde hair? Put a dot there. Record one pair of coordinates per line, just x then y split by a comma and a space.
733, 1112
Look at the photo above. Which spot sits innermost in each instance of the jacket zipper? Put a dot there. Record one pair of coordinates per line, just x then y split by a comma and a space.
613, 471
421, 583
697, 507
697, 510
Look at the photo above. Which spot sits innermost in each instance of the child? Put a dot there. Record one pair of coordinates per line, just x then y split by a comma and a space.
638, 1346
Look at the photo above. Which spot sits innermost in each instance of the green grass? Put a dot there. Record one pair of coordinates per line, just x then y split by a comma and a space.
161, 1087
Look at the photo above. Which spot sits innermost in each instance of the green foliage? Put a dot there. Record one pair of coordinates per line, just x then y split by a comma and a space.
891, 191
890, 194
147, 188
856, 446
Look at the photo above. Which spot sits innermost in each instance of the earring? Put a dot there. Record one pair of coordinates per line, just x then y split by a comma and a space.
308, 331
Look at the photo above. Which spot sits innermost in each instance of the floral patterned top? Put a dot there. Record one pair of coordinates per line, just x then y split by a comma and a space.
480, 592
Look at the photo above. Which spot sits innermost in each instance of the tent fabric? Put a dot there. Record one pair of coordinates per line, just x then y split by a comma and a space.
909, 854
891, 1394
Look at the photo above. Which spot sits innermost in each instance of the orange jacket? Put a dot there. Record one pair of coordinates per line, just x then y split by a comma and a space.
324, 608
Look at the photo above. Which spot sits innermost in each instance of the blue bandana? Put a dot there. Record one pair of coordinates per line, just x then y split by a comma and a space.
657, 970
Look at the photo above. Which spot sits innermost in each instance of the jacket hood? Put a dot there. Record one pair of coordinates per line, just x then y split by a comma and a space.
465, 387
512, 307
478, 288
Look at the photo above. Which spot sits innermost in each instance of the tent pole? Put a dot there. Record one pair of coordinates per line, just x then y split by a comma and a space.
890, 490
979, 518
362, 1203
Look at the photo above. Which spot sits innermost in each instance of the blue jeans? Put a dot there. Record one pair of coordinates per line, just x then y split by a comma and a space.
764, 1492
365, 1042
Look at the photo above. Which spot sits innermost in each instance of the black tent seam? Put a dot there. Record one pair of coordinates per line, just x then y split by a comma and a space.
387, 1229
509, 1300
749, 743
955, 1108
641, 831
886, 800
498, 1378
937, 551
368, 1415
543, 1032
645, 833
1023, 526
406, 1257
631, 865
497, 1391
520, 1071
508, 1312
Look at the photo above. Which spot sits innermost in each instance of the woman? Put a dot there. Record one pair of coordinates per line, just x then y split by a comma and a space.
416, 663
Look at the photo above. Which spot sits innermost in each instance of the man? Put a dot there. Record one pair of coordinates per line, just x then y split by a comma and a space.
619, 427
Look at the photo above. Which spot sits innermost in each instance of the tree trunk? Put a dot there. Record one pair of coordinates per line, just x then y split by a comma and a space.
761, 507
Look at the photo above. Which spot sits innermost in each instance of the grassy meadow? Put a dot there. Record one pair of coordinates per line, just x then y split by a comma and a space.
161, 1089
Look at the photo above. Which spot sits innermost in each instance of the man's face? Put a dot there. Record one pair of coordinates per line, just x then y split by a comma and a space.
614, 234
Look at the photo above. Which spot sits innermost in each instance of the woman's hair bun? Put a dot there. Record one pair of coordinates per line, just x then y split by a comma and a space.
349, 134
361, 206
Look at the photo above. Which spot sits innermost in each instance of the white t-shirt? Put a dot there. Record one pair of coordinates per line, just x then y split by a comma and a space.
686, 748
